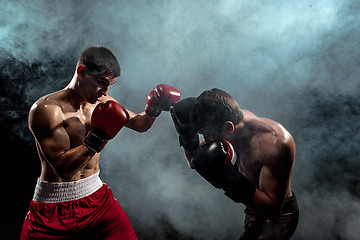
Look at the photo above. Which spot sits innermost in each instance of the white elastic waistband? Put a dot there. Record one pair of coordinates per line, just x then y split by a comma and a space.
53, 192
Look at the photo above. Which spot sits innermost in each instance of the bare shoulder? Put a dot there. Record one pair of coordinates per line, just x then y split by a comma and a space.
274, 140
280, 132
46, 113
279, 146
268, 127
106, 98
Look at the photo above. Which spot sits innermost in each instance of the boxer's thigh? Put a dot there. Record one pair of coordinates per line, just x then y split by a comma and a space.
107, 219
282, 229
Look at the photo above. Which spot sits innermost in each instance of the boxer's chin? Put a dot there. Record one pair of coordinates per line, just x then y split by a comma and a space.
93, 100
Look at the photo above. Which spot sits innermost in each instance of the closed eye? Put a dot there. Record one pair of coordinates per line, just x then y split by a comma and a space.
103, 83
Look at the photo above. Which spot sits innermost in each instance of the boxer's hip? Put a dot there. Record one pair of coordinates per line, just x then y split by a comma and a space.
89, 216
53, 192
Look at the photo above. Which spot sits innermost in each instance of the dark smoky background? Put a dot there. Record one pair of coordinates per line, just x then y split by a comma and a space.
295, 62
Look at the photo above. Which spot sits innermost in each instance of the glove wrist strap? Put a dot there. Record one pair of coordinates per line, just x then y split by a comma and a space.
94, 142
151, 112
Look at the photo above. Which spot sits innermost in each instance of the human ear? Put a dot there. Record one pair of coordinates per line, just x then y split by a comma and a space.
228, 128
80, 71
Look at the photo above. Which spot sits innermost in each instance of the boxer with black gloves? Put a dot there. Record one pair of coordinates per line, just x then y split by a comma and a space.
71, 128
250, 158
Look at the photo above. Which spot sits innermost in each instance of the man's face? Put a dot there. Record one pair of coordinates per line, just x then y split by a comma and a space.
96, 86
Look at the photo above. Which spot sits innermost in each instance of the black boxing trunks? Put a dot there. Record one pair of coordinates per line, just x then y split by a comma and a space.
281, 228
84, 209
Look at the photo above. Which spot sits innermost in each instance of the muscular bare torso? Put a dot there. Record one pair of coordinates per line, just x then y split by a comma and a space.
68, 125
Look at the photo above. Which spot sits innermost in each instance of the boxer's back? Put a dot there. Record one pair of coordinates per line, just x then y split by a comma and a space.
269, 144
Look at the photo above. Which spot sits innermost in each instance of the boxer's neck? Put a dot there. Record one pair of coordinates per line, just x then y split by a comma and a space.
241, 135
74, 93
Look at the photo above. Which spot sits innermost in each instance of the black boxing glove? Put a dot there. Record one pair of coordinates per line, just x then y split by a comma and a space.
215, 162
211, 158
188, 137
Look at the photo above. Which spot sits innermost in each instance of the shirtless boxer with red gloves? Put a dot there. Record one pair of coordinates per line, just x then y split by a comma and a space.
249, 157
71, 127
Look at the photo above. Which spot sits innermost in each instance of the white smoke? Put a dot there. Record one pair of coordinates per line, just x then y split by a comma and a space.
286, 60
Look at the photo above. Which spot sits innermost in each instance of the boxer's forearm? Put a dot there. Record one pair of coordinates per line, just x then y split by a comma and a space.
72, 161
140, 122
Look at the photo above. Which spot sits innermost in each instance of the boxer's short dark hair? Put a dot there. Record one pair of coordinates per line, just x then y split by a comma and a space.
99, 60
212, 109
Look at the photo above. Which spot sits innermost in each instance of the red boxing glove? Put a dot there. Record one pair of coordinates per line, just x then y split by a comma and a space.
106, 121
161, 98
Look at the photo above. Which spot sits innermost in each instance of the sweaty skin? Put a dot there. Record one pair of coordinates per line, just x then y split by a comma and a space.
60, 121
266, 155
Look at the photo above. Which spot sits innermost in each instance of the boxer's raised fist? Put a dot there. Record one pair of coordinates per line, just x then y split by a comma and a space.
160, 99
106, 121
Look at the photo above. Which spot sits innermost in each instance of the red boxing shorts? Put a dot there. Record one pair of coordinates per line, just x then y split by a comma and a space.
68, 211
